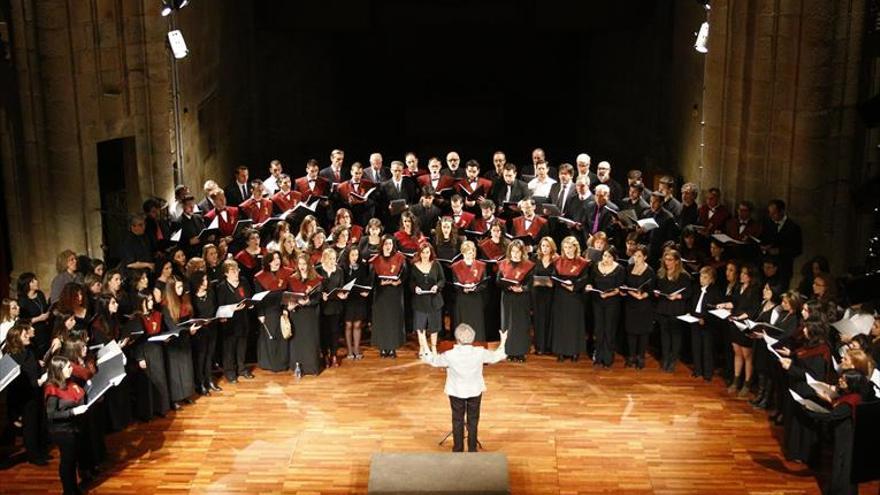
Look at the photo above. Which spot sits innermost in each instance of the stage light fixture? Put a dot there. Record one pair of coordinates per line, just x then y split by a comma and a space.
178, 44
701, 45
169, 6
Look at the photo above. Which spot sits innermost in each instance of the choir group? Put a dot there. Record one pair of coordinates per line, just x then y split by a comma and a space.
569, 262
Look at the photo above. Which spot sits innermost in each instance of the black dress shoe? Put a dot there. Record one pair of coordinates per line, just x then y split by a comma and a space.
213, 386
248, 375
176, 406
382, 353
202, 390
393, 354
188, 401
560, 358
232, 380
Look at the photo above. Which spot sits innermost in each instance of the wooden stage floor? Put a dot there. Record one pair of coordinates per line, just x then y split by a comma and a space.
565, 427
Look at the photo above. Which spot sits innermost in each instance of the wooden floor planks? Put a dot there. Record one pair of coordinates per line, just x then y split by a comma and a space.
565, 427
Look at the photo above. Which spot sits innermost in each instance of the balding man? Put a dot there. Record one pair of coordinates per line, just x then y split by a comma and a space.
270, 185
206, 204
528, 172
603, 176
453, 166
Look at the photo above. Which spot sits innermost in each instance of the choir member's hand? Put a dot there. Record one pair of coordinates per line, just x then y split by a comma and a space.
784, 351
588, 288
76, 411
303, 302
223, 320
124, 342
343, 295
42, 317
785, 363
675, 297
516, 288
193, 329
702, 322
324, 296
143, 364
824, 395
365, 294
434, 289
193, 240
240, 306
396, 282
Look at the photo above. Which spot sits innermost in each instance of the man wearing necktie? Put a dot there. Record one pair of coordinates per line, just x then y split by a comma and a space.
782, 238
239, 191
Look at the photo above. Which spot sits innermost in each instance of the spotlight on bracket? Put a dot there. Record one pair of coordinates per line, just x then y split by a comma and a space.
169, 6
178, 44
701, 45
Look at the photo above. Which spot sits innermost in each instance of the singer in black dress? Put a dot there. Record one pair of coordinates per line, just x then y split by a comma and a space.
606, 276
469, 276
672, 292
571, 273
390, 269
515, 280
542, 294
272, 348
332, 300
357, 269
234, 330
304, 309
638, 306
427, 281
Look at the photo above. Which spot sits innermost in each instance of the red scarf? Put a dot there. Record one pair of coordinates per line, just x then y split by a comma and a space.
515, 271
465, 274
566, 267
71, 392
390, 266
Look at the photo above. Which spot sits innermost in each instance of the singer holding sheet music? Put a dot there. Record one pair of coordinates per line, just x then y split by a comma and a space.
570, 277
304, 309
464, 380
390, 268
176, 308
65, 400
24, 394
354, 268
233, 330
469, 277
427, 282
606, 277
673, 292
515, 281
332, 301
639, 307
272, 352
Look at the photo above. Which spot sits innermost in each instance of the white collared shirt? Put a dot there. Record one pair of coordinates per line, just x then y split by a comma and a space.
541, 188
464, 368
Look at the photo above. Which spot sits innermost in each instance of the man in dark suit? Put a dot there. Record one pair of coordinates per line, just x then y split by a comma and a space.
666, 230
712, 215
562, 195
576, 209
205, 205
396, 188
510, 189
635, 199
499, 160
782, 238
582, 162
603, 175
240, 189
599, 215
334, 173
376, 173
191, 225
425, 211
453, 166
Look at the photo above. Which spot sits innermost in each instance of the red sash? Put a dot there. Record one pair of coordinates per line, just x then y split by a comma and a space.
473, 274
515, 271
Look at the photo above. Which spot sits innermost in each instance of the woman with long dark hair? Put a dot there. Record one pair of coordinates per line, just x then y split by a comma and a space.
427, 281
355, 313
390, 268
332, 303
177, 308
272, 348
105, 329
24, 395
638, 306
149, 381
204, 341
65, 399
34, 307
304, 310
606, 277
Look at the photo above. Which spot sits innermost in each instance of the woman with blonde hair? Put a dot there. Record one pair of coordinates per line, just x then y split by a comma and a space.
305, 345
515, 282
65, 266
570, 274
673, 290
542, 293
470, 277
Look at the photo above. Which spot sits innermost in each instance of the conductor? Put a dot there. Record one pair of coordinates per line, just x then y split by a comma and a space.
464, 379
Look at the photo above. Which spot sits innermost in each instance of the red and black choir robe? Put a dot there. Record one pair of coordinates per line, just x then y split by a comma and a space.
482, 187
462, 220
536, 230
284, 201
319, 187
258, 210
348, 191
408, 243
227, 226
482, 226
470, 306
